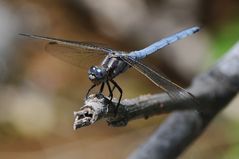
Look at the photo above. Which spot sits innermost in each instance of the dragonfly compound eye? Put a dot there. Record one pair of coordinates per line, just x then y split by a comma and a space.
96, 72
99, 73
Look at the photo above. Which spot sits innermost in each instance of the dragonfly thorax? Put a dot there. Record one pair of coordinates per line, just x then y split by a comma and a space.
97, 74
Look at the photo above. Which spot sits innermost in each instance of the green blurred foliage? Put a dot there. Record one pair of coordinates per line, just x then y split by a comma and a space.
232, 151
224, 37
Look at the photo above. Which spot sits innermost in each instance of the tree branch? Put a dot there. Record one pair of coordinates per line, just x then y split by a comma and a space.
213, 89
98, 106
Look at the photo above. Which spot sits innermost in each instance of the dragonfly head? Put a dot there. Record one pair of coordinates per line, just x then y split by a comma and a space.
97, 74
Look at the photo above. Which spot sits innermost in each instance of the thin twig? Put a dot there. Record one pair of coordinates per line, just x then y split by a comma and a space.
98, 106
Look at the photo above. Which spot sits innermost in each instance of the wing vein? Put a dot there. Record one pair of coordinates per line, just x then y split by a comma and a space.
176, 92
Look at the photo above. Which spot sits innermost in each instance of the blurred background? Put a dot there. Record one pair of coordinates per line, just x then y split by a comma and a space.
39, 92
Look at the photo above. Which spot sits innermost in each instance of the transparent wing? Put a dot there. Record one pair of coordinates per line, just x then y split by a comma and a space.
76, 56
82, 54
176, 92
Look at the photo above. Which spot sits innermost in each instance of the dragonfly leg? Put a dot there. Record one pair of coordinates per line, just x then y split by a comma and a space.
113, 88
87, 94
121, 92
110, 90
102, 87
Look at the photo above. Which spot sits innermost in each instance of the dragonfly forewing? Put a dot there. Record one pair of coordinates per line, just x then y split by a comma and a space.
77, 56
81, 54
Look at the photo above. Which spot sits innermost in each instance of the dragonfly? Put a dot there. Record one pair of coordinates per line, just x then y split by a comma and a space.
117, 62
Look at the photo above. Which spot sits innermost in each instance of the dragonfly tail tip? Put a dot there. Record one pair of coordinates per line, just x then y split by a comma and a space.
196, 29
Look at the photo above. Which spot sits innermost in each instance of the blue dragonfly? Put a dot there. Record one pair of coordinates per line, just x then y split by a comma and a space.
116, 62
